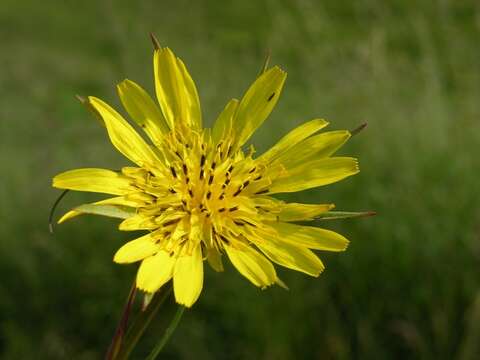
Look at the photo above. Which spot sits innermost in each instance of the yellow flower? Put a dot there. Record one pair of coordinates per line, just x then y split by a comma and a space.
199, 194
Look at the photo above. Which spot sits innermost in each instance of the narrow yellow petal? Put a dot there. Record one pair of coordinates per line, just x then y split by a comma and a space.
310, 237
251, 264
302, 212
314, 148
188, 278
257, 103
138, 222
314, 173
123, 136
223, 124
214, 259
176, 91
292, 138
143, 110
93, 180
291, 256
136, 250
155, 271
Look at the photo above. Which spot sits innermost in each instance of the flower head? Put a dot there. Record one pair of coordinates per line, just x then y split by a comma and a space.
199, 194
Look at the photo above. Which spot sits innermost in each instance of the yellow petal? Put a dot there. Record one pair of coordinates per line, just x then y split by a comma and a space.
310, 237
176, 90
188, 278
224, 122
123, 136
291, 256
292, 138
314, 148
138, 222
143, 110
214, 259
302, 212
251, 264
136, 250
257, 103
155, 271
315, 173
93, 180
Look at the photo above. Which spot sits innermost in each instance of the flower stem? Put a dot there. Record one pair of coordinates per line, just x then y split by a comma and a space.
141, 323
168, 332
118, 337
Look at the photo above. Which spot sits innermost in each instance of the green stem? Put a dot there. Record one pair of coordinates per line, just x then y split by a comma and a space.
141, 323
170, 329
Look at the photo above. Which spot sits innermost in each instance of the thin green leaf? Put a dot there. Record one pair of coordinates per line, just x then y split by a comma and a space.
335, 215
115, 211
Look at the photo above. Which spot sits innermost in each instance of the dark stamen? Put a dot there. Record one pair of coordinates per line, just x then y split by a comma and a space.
172, 191
202, 174
245, 184
190, 192
214, 164
253, 169
202, 161
230, 169
264, 191
187, 180
238, 191
171, 222
209, 195
271, 97
233, 208
174, 173
210, 180
258, 178
185, 170
221, 210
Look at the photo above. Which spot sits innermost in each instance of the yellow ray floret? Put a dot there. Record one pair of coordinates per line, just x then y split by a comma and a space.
199, 195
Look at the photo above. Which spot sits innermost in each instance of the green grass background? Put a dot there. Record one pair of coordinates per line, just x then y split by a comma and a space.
408, 286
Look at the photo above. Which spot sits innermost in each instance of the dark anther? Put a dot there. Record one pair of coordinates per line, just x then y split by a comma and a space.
227, 181
210, 180
178, 154
229, 150
224, 186
172, 191
214, 164
208, 215
184, 203
271, 97
223, 238
258, 178
190, 192
202, 174
174, 173
209, 195
253, 169
202, 161
171, 222
233, 208
221, 197
239, 223
230, 169
221, 210
238, 191
185, 170
264, 191
187, 180
245, 184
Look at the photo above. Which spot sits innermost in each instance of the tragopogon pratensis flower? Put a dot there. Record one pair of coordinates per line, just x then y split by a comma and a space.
199, 194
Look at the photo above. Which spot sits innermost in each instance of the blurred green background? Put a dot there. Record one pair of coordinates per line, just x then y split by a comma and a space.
408, 286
